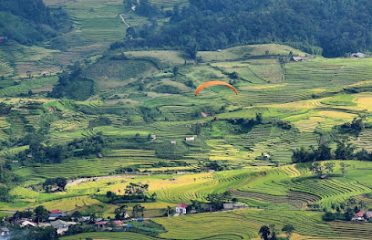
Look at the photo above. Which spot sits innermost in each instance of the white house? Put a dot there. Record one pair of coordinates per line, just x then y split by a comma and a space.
44, 225
174, 142
190, 139
358, 55
84, 219
4, 232
228, 206
61, 226
264, 156
297, 59
27, 223
368, 215
44, 74
181, 209
232, 205
153, 137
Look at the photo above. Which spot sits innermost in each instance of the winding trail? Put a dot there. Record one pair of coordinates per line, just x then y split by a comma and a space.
123, 20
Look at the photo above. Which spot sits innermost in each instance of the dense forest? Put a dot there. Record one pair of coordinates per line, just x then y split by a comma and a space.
30, 21
336, 26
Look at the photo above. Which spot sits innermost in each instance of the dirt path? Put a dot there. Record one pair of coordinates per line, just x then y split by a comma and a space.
123, 20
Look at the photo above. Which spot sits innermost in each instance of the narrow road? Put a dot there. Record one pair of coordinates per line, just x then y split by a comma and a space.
123, 20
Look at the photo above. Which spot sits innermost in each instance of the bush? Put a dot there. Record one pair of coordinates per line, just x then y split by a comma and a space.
355, 127
4, 193
323, 152
100, 121
328, 217
284, 125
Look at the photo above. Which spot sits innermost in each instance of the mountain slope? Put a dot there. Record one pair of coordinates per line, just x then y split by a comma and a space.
29, 21
338, 27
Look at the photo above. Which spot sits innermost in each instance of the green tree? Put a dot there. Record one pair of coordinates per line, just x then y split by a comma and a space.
288, 229
349, 213
329, 216
218, 199
323, 152
76, 215
316, 168
169, 211
59, 183
343, 168
41, 214
138, 211
175, 71
4, 193
264, 232
361, 204
344, 150
121, 212
131, 33
259, 118
363, 155
329, 166
191, 51
110, 195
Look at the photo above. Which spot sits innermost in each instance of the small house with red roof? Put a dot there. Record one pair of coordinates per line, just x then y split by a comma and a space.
101, 224
118, 224
4, 233
56, 214
359, 216
181, 208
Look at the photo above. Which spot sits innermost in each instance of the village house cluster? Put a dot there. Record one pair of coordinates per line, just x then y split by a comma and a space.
62, 222
362, 216
183, 208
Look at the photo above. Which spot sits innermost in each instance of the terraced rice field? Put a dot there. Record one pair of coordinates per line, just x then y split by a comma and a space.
299, 200
5, 69
241, 224
88, 167
331, 191
309, 95
109, 236
352, 230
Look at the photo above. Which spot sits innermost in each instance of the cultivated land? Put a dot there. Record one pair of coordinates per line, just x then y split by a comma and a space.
313, 96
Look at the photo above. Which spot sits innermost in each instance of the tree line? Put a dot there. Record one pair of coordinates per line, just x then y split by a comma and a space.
336, 26
345, 150
344, 211
133, 192
40, 153
7, 178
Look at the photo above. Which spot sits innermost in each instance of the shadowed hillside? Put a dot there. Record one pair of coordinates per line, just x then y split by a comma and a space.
29, 21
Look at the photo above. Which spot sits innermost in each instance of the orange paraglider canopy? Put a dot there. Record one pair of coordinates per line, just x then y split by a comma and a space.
214, 83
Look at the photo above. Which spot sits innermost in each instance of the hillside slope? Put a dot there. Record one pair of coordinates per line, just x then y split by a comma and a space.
29, 21
337, 27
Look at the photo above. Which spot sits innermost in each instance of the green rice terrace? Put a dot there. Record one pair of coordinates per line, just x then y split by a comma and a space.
293, 147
